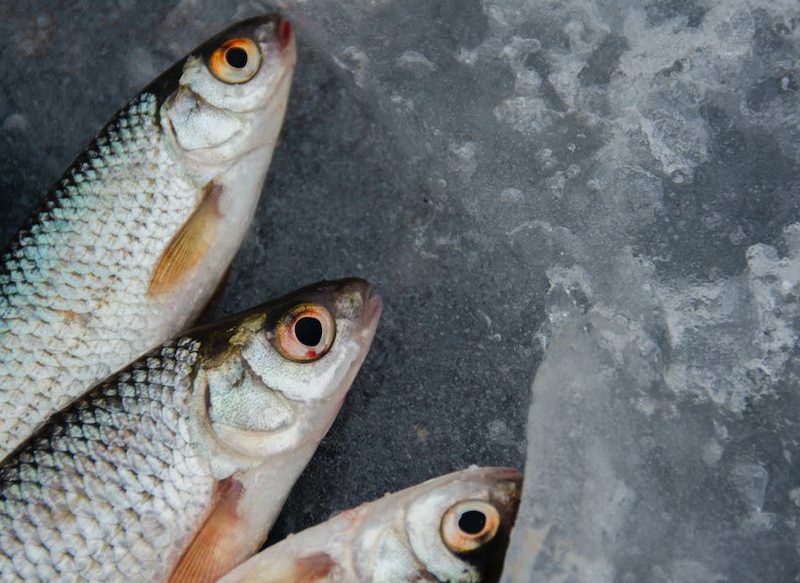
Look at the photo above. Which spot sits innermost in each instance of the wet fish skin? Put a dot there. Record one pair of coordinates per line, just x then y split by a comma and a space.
191, 449
399, 538
133, 240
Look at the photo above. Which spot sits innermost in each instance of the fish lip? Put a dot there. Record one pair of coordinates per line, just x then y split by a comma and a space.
369, 314
505, 473
285, 33
368, 320
509, 480
373, 307
368, 323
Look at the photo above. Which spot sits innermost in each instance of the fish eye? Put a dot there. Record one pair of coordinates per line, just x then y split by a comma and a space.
235, 61
469, 525
305, 333
236, 57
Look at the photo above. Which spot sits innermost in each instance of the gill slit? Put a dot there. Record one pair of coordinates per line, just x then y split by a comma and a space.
421, 569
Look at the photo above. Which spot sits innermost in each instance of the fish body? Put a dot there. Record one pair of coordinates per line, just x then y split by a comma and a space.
130, 244
454, 528
175, 468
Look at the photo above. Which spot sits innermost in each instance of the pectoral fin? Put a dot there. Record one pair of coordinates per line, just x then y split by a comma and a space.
310, 569
189, 245
216, 548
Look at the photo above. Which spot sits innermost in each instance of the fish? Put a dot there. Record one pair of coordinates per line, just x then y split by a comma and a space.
454, 528
130, 244
175, 468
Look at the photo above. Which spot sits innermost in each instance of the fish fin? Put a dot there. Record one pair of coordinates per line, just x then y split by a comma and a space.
216, 548
311, 569
189, 245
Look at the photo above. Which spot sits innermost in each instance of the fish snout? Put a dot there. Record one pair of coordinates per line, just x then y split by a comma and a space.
506, 491
285, 33
373, 306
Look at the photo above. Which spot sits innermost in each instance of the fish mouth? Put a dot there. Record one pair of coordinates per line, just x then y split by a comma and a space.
505, 474
505, 494
285, 33
367, 315
508, 486
373, 308
368, 319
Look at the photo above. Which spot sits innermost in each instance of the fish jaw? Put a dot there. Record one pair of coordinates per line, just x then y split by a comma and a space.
209, 139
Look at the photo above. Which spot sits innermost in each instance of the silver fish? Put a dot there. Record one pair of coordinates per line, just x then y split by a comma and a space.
454, 528
176, 467
133, 240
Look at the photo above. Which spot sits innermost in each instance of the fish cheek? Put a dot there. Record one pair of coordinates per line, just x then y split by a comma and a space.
240, 400
198, 125
386, 556
189, 245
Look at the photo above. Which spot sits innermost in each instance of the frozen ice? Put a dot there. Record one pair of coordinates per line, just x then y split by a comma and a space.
598, 200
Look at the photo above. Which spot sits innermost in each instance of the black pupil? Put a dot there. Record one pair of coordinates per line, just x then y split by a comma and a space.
236, 57
308, 331
472, 522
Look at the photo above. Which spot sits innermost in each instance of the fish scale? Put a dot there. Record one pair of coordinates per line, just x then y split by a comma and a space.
133, 241
105, 434
54, 345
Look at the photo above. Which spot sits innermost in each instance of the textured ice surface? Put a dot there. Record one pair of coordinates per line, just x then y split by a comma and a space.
601, 195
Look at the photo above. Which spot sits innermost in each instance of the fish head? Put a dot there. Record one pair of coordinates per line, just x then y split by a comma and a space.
272, 381
228, 97
453, 528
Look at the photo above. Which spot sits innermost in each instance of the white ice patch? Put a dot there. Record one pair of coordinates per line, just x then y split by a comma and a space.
731, 339
527, 115
355, 62
462, 159
415, 60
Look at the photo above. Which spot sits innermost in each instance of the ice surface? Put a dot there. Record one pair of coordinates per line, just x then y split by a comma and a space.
603, 196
